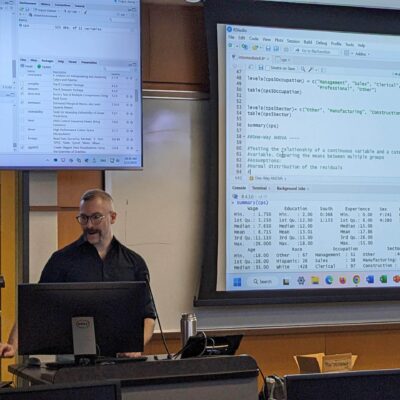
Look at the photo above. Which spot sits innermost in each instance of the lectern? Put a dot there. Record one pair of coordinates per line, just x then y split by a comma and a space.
216, 377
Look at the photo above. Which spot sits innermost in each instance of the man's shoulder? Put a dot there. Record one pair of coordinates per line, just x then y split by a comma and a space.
69, 248
126, 251
60, 262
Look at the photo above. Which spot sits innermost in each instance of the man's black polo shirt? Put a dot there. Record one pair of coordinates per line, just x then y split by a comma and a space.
80, 262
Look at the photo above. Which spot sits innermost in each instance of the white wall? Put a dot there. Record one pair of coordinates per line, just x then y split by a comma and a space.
161, 209
42, 225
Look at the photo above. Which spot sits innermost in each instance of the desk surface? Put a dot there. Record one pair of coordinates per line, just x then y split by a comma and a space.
145, 372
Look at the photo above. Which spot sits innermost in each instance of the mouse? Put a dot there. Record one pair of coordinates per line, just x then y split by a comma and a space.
33, 362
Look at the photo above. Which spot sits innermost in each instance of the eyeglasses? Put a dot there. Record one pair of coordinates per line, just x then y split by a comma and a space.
95, 219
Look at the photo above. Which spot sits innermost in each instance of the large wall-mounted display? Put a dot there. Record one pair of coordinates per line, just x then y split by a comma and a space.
306, 99
70, 84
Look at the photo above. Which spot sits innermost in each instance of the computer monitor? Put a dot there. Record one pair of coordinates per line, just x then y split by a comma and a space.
115, 309
88, 391
355, 385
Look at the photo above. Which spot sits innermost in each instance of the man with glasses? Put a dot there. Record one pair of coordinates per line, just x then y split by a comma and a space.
96, 256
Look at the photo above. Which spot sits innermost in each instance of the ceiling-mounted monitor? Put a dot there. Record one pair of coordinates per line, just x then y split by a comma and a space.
70, 85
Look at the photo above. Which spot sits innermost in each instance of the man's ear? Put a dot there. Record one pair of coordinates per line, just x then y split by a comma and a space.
113, 217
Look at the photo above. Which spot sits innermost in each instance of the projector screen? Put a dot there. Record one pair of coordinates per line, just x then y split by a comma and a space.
307, 100
70, 84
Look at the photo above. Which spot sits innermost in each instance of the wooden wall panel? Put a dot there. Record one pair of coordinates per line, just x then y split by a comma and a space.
274, 354
71, 185
375, 350
174, 52
156, 345
9, 258
68, 228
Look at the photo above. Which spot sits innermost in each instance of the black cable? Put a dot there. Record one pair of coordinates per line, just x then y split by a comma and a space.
169, 355
205, 344
178, 353
264, 382
263, 376
190, 344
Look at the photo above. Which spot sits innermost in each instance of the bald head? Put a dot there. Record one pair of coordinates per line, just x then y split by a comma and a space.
94, 194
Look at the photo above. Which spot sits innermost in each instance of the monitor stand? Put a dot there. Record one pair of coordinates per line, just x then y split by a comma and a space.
84, 345
84, 340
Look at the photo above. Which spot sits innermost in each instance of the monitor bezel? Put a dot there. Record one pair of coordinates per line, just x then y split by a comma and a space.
118, 307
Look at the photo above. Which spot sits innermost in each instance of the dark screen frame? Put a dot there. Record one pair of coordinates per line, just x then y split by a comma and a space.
45, 311
355, 385
275, 15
